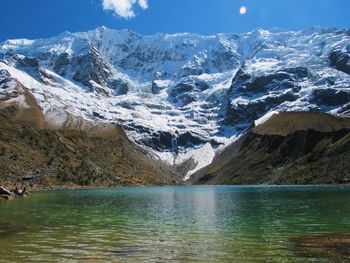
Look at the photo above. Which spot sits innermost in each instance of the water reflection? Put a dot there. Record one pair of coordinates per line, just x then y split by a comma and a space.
187, 224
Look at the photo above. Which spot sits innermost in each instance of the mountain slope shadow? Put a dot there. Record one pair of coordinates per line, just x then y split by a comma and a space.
289, 148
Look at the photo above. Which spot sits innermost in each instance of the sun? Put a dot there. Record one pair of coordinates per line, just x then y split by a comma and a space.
243, 10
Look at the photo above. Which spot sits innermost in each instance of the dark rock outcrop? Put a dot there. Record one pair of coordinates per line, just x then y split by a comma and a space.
119, 86
261, 84
264, 93
4, 191
61, 63
90, 67
155, 88
163, 141
32, 67
248, 112
187, 91
331, 96
340, 59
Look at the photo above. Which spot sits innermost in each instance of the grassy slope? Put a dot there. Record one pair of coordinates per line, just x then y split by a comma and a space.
90, 155
290, 148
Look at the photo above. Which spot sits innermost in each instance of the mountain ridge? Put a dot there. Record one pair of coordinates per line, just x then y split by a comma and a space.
186, 88
305, 154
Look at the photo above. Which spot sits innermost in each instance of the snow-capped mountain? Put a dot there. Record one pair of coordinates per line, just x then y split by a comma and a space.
176, 93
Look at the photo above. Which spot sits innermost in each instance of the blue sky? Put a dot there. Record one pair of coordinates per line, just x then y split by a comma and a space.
45, 18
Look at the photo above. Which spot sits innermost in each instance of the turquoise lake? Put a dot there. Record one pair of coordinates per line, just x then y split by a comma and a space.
179, 224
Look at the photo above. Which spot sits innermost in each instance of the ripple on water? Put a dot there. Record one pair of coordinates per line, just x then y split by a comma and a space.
184, 224
8, 230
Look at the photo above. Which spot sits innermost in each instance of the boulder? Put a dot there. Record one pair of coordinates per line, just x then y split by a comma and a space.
4, 191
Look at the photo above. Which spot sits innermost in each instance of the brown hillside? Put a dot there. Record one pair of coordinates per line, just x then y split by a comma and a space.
289, 122
284, 151
91, 155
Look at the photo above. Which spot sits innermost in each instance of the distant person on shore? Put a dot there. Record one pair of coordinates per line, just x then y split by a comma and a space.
16, 189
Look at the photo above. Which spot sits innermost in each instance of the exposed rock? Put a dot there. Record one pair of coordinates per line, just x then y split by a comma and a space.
90, 67
33, 68
189, 139
61, 63
333, 247
179, 81
330, 96
260, 84
155, 88
97, 115
297, 72
28, 62
264, 92
119, 86
248, 112
340, 59
163, 141
188, 71
4, 191
187, 91
9, 88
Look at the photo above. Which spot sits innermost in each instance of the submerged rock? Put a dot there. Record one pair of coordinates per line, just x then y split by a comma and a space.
126, 251
331, 246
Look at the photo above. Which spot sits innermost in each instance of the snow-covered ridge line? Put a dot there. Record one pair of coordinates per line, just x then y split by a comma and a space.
196, 89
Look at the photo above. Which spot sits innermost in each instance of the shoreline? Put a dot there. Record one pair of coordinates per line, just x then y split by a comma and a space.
301, 188
79, 187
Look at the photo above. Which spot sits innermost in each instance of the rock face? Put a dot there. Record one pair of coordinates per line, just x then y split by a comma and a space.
340, 59
195, 88
90, 69
289, 148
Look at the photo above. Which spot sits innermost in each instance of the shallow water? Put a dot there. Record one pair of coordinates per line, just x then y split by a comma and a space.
179, 224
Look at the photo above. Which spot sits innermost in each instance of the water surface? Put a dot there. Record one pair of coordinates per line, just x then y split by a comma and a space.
179, 224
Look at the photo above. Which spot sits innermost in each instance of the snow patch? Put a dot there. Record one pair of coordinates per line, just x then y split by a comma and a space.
265, 118
202, 157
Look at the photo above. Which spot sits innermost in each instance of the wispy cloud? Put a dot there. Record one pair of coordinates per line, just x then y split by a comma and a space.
124, 8
143, 4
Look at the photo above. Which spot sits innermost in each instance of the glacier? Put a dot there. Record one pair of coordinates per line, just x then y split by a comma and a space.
201, 91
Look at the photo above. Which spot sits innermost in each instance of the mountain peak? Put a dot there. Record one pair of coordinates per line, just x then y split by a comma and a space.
207, 88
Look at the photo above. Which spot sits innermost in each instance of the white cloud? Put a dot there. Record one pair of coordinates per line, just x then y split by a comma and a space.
124, 8
143, 4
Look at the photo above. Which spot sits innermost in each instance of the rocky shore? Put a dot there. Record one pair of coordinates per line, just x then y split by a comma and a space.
11, 194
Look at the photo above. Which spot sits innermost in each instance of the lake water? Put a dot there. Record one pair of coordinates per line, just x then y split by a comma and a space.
178, 224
